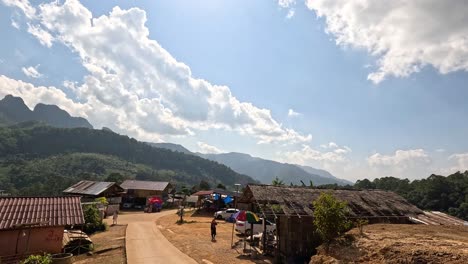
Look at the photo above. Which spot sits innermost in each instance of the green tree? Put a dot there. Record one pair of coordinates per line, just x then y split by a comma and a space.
116, 177
204, 185
330, 217
221, 186
277, 182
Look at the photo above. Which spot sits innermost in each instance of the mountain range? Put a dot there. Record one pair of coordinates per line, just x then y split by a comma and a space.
264, 170
13, 110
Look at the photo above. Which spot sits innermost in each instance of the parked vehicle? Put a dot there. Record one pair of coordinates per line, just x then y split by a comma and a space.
245, 227
225, 214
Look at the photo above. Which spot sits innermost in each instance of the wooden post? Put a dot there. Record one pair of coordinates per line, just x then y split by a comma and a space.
278, 232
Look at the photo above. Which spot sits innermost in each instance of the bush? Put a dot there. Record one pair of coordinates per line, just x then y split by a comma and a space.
330, 217
38, 259
93, 222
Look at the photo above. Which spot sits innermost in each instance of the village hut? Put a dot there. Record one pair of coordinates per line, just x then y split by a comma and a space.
34, 225
292, 210
138, 192
90, 190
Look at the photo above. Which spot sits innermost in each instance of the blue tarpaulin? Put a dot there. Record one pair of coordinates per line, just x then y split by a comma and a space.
228, 199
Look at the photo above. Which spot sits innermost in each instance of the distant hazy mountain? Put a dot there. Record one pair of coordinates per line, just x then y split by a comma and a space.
171, 146
267, 170
13, 110
325, 174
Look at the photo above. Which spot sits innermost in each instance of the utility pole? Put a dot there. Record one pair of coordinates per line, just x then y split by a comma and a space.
235, 207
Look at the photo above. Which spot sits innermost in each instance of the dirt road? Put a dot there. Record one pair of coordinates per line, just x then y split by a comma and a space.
145, 243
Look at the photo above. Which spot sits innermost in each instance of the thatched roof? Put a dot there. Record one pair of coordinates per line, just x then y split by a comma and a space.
298, 201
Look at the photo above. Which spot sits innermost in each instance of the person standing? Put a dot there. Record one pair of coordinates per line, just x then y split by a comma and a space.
213, 229
114, 217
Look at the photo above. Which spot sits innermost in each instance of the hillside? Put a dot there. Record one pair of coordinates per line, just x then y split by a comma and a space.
267, 170
13, 110
37, 144
171, 146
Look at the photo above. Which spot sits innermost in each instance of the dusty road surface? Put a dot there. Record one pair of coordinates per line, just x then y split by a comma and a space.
194, 239
144, 242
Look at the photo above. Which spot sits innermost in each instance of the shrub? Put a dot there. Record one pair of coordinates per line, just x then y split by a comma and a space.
38, 259
93, 222
330, 217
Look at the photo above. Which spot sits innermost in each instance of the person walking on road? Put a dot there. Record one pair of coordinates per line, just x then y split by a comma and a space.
213, 229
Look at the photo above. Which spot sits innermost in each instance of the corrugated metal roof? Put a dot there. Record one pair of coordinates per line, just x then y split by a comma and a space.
44, 211
144, 185
439, 218
89, 187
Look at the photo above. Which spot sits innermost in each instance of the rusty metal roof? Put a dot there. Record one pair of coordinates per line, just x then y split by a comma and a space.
93, 188
144, 185
438, 218
40, 211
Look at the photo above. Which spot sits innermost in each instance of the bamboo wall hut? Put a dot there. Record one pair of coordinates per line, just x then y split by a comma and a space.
291, 208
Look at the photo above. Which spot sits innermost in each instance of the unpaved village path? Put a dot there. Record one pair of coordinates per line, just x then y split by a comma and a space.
146, 244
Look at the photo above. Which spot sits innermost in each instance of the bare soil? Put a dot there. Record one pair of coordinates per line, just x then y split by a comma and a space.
384, 243
109, 247
194, 239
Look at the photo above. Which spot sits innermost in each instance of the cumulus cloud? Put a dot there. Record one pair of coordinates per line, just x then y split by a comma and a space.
31, 72
33, 95
411, 163
292, 113
208, 149
461, 160
137, 86
404, 35
327, 159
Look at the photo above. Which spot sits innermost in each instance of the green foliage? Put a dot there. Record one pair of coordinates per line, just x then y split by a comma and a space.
42, 160
116, 177
330, 217
277, 182
38, 259
439, 193
93, 222
204, 185
221, 186
102, 200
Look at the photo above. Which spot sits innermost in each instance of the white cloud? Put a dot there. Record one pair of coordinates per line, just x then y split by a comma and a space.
329, 145
288, 4
44, 37
441, 150
15, 24
208, 149
401, 158
31, 72
461, 160
137, 87
292, 113
333, 159
33, 95
23, 5
290, 13
404, 35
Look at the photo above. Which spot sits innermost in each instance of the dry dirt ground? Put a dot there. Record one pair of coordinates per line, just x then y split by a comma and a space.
194, 239
112, 242
385, 243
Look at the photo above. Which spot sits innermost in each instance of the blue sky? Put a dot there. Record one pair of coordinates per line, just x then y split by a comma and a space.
221, 76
